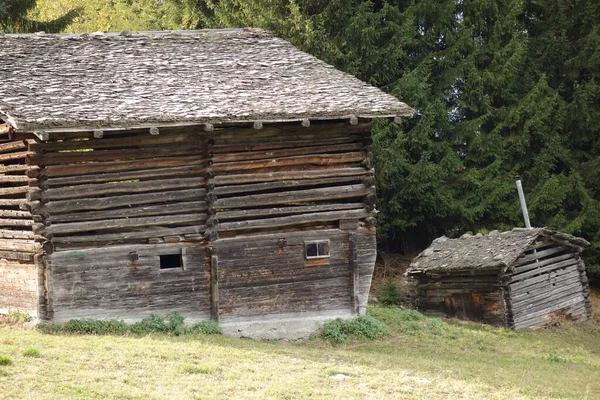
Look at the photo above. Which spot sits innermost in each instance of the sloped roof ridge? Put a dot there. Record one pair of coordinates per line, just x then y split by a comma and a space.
496, 250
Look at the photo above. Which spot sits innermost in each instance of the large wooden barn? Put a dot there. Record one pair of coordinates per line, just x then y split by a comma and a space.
524, 278
223, 175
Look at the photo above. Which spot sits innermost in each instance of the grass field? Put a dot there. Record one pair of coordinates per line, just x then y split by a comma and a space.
423, 358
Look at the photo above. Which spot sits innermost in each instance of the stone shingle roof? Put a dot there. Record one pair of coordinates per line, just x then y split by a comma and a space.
485, 252
218, 76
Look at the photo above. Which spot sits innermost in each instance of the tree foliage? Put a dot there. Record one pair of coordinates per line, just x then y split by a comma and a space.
13, 18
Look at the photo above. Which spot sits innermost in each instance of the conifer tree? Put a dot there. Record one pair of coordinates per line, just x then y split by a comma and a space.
13, 18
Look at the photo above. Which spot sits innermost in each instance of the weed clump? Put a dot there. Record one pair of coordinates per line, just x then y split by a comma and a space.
412, 322
5, 361
172, 324
339, 331
31, 352
390, 295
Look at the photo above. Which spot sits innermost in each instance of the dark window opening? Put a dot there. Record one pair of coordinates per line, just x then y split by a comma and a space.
170, 261
317, 249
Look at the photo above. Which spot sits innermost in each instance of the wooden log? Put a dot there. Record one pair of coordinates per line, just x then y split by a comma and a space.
83, 191
16, 168
117, 238
541, 254
353, 261
292, 220
214, 288
5, 129
121, 201
13, 190
543, 270
174, 172
333, 193
535, 265
14, 214
286, 143
160, 209
14, 178
12, 146
117, 166
10, 234
12, 202
15, 222
265, 212
121, 223
283, 175
258, 187
287, 152
13, 156
323, 159
119, 143
548, 291
15, 255
19, 246
57, 158
277, 133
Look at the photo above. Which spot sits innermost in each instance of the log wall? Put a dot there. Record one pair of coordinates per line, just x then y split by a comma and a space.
109, 204
547, 285
18, 246
464, 295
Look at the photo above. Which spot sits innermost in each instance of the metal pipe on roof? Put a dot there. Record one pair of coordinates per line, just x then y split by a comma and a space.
523, 203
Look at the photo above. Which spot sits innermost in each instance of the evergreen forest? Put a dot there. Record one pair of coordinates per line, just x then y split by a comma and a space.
500, 88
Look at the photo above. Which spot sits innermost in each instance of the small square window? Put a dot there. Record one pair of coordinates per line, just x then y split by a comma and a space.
316, 249
171, 261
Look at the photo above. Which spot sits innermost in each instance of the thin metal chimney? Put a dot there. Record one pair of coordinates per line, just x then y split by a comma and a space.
522, 200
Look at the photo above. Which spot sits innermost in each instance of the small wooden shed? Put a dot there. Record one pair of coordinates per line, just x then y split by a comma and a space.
222, 174
524, 278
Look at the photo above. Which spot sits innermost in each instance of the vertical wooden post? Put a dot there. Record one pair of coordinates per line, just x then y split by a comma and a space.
353, 261
214, 288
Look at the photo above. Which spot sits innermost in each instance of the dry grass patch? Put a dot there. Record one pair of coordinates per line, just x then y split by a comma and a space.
423, 358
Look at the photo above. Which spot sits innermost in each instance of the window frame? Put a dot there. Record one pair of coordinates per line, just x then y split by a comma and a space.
318, 256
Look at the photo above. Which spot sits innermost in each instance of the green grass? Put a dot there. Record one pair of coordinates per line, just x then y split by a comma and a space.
420, 358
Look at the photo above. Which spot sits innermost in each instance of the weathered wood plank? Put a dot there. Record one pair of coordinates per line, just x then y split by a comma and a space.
257, 187
535, 265
15, 222
13, 156
324, 159
118, 143
83, 191
122, 223
14, 214
334, 193
10, 234
269, 212
117, 166
159, 209
125, 237
13, 178
122, 201
19, 246
542, 254
13, 202
115, 155
287, 152
16, 168
14, 255
185, 171
543, 270
222, 180
293, 220
13, 190
12, 146
214, 288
